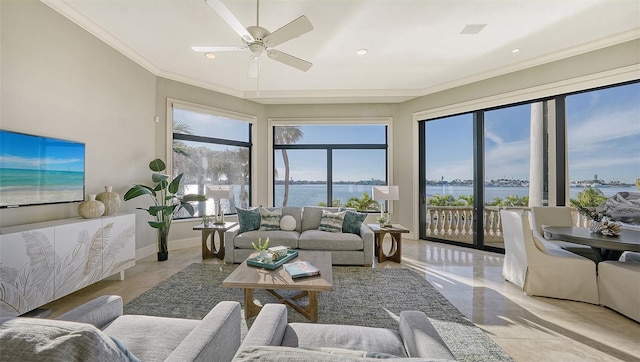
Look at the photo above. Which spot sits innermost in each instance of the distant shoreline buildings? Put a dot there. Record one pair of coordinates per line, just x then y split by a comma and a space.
525, 183
469, 183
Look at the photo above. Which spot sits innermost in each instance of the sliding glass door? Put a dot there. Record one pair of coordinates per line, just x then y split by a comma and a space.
447, 179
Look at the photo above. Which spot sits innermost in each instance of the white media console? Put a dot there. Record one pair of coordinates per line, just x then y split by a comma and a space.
42, 262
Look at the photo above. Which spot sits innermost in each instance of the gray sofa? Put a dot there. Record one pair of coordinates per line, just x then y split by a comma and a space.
346, 248
98, 331
271, 338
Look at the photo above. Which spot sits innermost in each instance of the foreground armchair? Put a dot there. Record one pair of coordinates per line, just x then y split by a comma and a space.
98, 331
271, 338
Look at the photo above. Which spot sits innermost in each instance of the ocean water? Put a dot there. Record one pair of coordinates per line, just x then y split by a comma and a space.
12, 180
301, 195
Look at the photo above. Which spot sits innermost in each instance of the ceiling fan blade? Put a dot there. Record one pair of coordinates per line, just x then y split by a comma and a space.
225, 48
254, 67
289, 60
230, 19
292, 30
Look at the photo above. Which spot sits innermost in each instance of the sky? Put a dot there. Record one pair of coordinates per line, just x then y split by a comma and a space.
32, 152
348, 165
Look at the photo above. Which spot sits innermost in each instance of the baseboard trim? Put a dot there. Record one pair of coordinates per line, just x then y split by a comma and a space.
173, 245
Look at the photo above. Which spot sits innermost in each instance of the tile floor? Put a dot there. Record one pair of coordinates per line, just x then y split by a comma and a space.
528, 328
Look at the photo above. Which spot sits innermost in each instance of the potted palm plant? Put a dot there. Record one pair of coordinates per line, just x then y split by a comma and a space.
166, 202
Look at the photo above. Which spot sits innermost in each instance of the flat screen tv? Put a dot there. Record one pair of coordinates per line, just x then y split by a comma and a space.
37, 170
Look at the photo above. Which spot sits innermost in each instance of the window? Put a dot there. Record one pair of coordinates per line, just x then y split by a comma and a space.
211, 147
603, 139
448, 180
328, 164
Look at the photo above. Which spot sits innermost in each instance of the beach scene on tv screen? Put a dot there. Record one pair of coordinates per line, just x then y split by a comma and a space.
40, 170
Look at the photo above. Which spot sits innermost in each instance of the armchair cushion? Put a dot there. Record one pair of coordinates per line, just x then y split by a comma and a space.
37, 339
151, 338
100, 311
288, 354
215, 337
420, 337
379, 340
416, 338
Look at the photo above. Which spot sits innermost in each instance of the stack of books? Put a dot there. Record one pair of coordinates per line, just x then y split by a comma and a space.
301, 269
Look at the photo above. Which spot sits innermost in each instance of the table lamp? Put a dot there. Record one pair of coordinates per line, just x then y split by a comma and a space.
385, 193
218, 192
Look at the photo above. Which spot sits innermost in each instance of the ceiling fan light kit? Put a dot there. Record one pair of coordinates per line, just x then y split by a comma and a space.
259, 40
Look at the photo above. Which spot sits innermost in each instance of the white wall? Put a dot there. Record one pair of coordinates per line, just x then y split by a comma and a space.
60, 81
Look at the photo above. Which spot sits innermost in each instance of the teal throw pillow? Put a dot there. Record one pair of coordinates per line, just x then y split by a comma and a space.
270, 220
249, 219
331, 221
352, 222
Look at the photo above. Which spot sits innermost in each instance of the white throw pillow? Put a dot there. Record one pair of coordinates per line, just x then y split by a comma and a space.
270, 220
288, 223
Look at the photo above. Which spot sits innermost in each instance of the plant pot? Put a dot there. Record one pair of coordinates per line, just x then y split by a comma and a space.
163, 250
163, 255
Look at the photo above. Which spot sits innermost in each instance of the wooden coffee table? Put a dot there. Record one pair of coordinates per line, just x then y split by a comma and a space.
250, 278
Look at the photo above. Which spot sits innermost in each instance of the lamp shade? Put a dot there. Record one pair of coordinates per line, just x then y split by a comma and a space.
217, 192
385, 192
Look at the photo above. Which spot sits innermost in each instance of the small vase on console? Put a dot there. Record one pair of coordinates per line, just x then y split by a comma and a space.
110, 199
91, 208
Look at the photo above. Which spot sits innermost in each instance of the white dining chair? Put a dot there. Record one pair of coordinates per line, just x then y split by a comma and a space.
619, 287
540, 271
542, 216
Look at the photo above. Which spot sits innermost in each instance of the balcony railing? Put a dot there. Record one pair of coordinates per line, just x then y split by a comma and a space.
456, 223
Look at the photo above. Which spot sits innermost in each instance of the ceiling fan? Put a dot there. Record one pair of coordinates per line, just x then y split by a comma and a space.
259, 40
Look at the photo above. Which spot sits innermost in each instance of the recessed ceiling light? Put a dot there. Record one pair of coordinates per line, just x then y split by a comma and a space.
362, 51
210, 55
515, 50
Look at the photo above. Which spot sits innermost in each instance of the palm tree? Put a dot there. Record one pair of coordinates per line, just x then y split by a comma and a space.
285, 135
366, 203
180, 147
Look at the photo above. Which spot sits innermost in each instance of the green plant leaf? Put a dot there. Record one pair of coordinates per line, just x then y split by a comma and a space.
193, 197
158, 177
175, 184
158, 224
154, 210
157, 165
188, 207
168, 210
138, 190
161, 186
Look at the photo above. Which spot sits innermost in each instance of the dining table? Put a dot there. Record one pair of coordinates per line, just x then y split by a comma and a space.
606, 247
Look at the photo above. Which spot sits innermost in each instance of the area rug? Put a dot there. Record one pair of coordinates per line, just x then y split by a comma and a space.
361, 296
